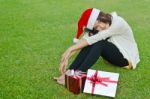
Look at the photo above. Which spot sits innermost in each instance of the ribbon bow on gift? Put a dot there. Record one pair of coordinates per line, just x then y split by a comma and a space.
77, 74
96, 79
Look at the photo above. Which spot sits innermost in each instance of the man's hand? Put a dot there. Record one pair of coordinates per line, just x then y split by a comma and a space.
63, 66
66, 55
64, 60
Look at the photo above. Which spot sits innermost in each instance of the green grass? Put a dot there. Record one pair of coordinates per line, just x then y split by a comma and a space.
34, 34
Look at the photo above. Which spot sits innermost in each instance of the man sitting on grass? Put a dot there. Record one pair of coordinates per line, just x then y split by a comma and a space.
106, 35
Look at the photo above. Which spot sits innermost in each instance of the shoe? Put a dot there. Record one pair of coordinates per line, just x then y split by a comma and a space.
129, 66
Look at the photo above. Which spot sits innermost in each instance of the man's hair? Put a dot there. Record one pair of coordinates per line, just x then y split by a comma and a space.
105, 17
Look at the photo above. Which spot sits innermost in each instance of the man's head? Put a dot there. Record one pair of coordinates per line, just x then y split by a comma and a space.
93, 19
103, 21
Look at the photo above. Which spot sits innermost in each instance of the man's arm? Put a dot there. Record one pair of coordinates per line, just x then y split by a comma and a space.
82, 43
116, 28
68, 53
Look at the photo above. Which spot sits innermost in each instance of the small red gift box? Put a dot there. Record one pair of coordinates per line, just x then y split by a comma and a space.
74, 81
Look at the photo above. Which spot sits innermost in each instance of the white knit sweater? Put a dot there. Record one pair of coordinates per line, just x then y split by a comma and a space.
121, 35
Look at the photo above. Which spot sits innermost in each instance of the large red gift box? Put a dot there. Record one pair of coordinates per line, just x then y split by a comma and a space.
74, 81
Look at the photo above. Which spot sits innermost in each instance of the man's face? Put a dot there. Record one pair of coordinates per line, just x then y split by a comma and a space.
100, 26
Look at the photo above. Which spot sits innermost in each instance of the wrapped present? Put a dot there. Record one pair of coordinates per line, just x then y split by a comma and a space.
101, 83
74, 81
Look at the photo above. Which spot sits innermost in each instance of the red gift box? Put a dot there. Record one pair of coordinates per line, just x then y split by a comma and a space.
74, 81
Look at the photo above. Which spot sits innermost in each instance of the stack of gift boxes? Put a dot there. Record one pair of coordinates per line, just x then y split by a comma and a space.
94, 82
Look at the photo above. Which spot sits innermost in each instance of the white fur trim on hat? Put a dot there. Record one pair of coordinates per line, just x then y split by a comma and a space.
93, 18
75, 40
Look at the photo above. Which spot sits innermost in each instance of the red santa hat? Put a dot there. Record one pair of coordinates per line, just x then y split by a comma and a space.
87, 19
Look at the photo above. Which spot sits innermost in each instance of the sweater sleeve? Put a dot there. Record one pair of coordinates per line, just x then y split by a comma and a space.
116, 28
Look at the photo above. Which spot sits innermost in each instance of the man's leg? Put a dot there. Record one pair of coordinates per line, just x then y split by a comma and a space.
108, 51
80, 57
112, 54
92, 56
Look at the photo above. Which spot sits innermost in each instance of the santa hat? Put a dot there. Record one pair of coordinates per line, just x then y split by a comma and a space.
87, 19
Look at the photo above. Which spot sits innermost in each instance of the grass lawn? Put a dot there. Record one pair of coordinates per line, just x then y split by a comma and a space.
34, 34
